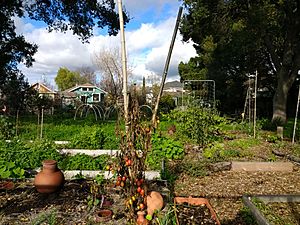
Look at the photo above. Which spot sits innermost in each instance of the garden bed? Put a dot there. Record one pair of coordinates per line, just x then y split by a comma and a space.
274, 209
22, 204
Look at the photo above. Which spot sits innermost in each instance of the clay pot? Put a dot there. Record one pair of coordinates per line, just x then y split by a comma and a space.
154, 202
141, 218
50, 179
103, 215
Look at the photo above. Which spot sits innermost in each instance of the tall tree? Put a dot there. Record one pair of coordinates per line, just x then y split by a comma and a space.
80, 16
66, 78
88, 74
248, 35
109, 63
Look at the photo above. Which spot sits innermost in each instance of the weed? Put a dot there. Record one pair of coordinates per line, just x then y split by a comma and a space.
247, 216
45, 217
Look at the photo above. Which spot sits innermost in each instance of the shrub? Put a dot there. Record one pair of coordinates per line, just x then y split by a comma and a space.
163, 148
200, 125
89, 138
7, 130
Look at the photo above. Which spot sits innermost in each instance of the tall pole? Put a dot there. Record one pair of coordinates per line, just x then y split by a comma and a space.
296, 116
166, 67
124, 64
42, 123
255, 95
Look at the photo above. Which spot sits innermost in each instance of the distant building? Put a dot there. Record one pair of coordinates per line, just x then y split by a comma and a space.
173, 87
45, 91
85, 93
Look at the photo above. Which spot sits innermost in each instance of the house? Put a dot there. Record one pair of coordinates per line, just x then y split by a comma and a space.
174, 88
44, 91
85, 93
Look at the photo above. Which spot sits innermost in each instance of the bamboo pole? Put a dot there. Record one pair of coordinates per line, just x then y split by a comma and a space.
124, 64
255, 96
296, 116
166, 68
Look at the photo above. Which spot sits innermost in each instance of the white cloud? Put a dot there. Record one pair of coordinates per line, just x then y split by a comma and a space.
147, 47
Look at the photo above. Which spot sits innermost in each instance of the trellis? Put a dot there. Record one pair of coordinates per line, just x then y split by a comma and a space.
199, 93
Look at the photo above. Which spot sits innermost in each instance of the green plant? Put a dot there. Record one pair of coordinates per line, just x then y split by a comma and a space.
197, 124
247, 216
83, 162
273, 138
163, 148
45, 217
214, 152
267, 212
194, 168
167, 217
7, 130
10, 170
89, 138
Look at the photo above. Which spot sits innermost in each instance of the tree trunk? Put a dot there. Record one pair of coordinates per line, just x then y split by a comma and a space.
280, 97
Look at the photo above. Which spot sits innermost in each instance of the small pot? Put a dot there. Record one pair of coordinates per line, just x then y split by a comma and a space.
103, 215
141, 218
50, 179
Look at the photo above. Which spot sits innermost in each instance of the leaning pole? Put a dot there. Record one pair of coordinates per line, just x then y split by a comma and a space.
124, 64
154, 122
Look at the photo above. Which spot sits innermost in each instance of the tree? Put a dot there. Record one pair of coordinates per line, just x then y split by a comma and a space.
80, 16
248, 36
88, 74
66, 79
109, 63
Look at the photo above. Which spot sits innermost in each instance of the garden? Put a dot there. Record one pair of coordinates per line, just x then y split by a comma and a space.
193, 150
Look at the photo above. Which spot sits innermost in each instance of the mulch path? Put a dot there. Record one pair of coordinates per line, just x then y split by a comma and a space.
225, 189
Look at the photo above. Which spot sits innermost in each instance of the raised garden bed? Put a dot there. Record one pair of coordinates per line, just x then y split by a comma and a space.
194, 211
274, 209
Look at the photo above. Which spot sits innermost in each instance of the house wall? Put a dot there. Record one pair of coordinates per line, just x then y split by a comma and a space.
89, 94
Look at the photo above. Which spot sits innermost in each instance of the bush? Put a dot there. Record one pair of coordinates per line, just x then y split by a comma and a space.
7, 130
89, 138
163, 148
200, 125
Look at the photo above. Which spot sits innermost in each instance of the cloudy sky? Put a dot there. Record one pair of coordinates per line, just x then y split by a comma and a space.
148, 36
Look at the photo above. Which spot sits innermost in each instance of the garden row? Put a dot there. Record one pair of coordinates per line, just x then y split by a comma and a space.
18, 158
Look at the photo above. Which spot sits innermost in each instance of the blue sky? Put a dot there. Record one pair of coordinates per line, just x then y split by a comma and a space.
148, 36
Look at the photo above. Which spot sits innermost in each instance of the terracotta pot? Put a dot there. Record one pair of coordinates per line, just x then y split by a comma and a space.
197, 201
154, 202
141, 218
50, 179
103, 215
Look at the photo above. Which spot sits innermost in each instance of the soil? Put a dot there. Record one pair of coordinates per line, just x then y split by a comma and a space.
192, 215
24, 205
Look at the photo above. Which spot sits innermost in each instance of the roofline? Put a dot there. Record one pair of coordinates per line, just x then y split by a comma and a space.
41, 84
78, 86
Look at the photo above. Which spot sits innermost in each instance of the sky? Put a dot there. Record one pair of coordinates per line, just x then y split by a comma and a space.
148, 36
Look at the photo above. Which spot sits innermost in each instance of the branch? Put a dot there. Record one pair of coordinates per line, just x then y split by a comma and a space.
274, 57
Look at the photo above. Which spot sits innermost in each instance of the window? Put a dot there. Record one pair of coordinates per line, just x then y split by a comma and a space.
83, 99
91, 89
96, 98
84, 89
